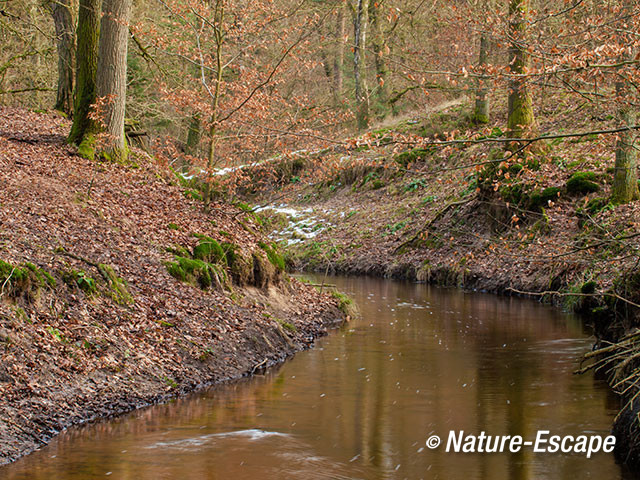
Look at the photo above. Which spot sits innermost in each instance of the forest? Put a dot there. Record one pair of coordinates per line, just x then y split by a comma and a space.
167, 165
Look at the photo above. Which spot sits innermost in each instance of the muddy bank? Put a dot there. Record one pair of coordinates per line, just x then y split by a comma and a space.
118, 290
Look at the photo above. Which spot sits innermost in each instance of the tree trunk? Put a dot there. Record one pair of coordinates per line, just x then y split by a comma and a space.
625, 179
379, 46
65, 42
338, 60
520, 106
193, 135
360, 22
481, 112
111, 78
87, 63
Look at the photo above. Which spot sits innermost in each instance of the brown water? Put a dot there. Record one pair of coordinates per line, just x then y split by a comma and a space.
362, 403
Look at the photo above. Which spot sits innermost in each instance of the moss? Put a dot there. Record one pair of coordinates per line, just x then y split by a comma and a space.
274, 257
581, 183
346, 304
241, 268
411, 156
377, 184
87, 147
209, 250
541, 198
197, 272
24, 280
287, 326
80, 279
173, 226
511, 193
118, 286
176, 271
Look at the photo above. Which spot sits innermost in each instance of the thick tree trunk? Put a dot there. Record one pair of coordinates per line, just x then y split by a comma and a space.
379, 46
521, 120
66, 45
111, 78
625, 180
360, 23
481, 111
338, 60
87, 63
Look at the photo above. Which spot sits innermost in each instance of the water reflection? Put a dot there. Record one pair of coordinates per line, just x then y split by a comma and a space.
362, 403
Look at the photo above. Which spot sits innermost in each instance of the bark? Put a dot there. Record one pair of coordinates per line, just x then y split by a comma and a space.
66, 45
520, 106
338, 60
193, 135
88, 33
625, 179
360, 24
379, 47
111, 78
481, 111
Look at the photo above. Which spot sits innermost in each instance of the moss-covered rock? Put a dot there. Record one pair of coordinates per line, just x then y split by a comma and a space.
581, 183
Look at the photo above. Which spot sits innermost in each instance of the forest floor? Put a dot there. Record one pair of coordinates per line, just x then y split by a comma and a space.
91, 321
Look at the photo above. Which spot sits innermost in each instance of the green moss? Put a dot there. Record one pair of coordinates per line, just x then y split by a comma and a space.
87, 147
197, 272
118, 286
209, 250
287, 326
80, 279
541, 198
241, 267
24, 280
377, 184
173, 226
511, 193
411, 156
274, 257
581, 183
345, 304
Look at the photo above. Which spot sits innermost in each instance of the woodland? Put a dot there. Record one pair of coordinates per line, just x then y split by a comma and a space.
483, 144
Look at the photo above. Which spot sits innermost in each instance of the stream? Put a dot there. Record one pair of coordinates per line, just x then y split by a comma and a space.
361, 404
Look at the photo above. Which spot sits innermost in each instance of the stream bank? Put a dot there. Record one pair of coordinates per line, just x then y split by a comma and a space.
118, 291
539, 225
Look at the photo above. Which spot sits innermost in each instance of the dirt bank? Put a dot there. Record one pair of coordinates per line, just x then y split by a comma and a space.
117, 291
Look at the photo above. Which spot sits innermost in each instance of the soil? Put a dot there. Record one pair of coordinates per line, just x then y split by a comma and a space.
78, 346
